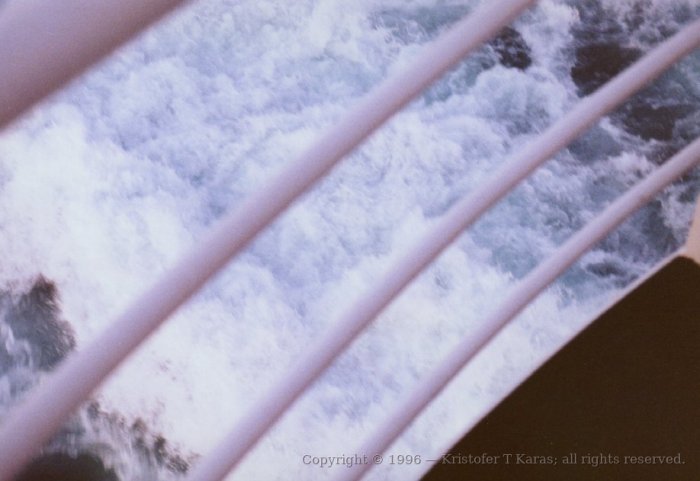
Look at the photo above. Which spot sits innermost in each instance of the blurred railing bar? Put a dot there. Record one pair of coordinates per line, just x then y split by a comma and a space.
47, 406
45, 43
273, 403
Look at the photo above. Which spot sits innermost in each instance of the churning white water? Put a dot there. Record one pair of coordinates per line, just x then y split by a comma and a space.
105, 185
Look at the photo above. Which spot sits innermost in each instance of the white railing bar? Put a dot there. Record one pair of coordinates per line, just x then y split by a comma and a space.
49, 404
45, 43
272, 405
521, 295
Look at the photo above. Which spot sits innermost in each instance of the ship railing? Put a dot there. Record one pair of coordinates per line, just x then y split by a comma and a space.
43, 44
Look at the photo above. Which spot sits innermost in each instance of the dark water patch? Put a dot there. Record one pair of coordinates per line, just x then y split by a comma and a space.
664, 112
651, 122
620, 275
595, 64
34, 338
606, 43
511, 48
35, 317
64, 467
104, 446
151, 449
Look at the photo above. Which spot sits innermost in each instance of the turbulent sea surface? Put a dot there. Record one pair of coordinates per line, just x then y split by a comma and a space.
105, 185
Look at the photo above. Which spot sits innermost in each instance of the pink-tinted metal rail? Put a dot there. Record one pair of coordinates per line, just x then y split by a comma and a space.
45, 43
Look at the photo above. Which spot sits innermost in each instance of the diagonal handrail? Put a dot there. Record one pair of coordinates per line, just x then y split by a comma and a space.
45, 43
275, 401
48, 405
520, 296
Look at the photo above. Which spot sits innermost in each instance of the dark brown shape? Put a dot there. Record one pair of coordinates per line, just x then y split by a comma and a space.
628, 385
62, 467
